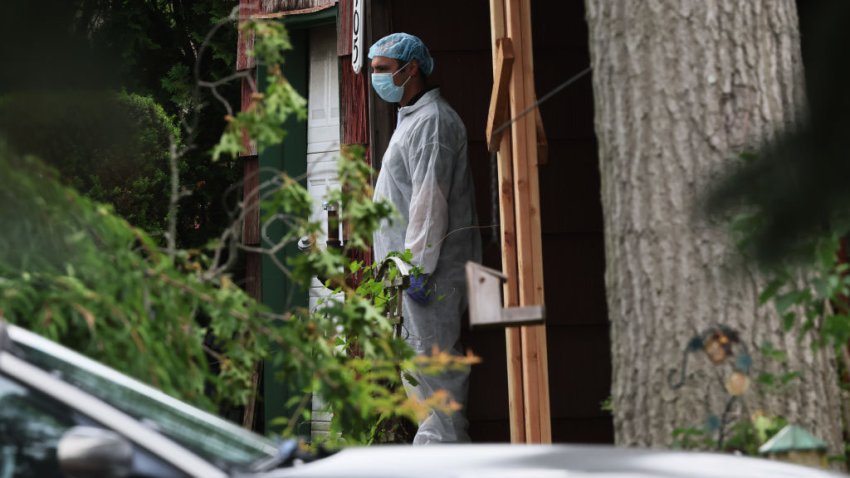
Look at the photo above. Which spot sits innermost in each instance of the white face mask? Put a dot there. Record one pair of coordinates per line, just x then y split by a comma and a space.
386, 89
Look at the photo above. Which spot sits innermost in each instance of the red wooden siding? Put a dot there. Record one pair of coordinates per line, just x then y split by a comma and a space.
343, 39
273, 6
251, 184
245, 41
249, 147
252, 276
279, 8
354, 105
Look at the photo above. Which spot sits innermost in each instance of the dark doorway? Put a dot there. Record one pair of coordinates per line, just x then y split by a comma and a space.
458, 34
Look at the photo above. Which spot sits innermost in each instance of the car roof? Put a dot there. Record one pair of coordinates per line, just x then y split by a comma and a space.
542, 461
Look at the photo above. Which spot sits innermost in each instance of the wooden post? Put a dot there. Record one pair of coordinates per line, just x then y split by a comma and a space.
513, 336
538, 427
500, 98
521, 230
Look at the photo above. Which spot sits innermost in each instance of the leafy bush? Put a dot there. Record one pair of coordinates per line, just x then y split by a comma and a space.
111, 147
75, 271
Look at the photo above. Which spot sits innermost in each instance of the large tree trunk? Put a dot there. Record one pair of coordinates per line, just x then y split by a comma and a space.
680, 87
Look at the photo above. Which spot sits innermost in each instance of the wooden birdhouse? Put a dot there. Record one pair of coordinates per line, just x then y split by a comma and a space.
795, 445
485, 300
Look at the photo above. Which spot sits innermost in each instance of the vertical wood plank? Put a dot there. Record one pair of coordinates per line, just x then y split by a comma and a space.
527, 206
251, 224
253, 262
245, 40
344, 26
499, 111
253, 288
537, 334
354, 105
497, 25
513, 337
250, 201
249, 146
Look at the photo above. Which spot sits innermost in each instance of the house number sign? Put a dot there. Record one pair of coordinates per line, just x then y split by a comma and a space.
357, 36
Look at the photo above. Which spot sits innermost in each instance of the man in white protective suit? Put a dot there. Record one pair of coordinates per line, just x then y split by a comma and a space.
425, 174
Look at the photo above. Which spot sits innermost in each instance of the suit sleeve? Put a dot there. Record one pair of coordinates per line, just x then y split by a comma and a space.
431, 179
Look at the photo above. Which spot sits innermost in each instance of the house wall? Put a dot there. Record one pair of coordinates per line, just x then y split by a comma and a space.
573, 245
458, 34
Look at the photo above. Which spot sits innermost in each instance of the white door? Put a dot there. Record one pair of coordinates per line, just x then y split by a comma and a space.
323, 130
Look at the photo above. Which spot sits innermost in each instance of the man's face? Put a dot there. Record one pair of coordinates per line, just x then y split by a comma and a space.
382, 64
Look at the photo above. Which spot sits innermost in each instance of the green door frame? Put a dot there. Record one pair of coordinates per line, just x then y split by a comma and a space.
278, 292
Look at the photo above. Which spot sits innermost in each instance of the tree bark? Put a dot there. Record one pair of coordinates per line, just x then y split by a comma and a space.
680, 88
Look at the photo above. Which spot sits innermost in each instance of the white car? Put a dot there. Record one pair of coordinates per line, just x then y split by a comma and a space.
64, 415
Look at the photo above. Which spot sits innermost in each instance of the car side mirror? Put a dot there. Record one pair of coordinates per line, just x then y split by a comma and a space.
85, 452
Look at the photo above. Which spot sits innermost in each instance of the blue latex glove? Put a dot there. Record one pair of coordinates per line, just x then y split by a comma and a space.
417, 290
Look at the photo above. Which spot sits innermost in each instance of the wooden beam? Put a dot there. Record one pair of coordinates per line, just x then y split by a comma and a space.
528, 228
497, 25
251, 202
500, 97
542, 143
513, 335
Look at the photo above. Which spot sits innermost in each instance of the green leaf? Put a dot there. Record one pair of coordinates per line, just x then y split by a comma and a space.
766, 378
788, 321
790, 299
788, 377
769, 351
770, 290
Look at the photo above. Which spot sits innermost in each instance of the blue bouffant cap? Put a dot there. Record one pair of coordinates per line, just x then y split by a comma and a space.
404, 47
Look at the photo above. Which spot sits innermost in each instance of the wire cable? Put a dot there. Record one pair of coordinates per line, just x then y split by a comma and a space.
543, 99
494, 180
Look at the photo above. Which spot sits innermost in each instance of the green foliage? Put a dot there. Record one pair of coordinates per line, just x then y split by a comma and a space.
178, 83
693, 438
809, 287
743, 436
730, 431
263, 121
798, 180
110, 147
771, 383
747, 436
354, 325
607, 405
363, 217
806, 285
73, 270
811, 295
158, 49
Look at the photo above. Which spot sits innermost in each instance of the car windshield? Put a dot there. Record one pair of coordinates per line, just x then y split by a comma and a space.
217, 441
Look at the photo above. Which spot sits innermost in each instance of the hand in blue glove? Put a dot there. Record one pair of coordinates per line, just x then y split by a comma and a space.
418, 289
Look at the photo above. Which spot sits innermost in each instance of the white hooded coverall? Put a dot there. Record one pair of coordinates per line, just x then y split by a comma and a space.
425, 174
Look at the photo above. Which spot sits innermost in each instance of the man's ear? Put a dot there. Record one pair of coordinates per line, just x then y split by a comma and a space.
414, 68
